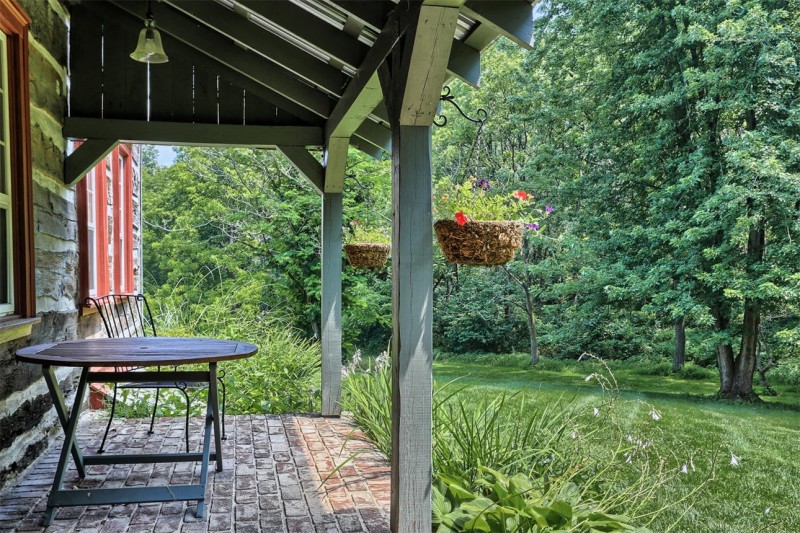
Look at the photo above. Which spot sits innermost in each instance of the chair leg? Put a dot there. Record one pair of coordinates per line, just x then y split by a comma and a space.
188, 405
153, 416
110, 418
222, 384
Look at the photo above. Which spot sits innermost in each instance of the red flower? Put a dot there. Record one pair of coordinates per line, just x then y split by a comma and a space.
520, 195
461, 218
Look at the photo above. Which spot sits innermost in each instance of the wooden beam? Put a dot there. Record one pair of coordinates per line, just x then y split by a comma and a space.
372, 13
224, 51
377, 134
297, 21
465, 63
331, 304
85, 157
278, 50
365, 146
335, 162
428, 50
306, 164
510, 18
177, 133
363, 92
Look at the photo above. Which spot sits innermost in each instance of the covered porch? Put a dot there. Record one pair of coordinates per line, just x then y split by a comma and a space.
272, 481
310, 78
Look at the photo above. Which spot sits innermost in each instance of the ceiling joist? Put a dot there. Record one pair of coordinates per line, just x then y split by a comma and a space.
177, 133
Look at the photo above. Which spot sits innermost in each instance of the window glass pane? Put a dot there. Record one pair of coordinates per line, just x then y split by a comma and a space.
4, 259
92, 261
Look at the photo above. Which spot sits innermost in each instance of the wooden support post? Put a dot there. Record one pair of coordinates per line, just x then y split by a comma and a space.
331, 304
412, 323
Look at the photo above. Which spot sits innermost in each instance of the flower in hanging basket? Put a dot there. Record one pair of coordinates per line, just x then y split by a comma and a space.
481, 228
367, 247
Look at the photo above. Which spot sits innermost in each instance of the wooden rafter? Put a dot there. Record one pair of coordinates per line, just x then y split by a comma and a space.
280, 51
228, 53
177, 133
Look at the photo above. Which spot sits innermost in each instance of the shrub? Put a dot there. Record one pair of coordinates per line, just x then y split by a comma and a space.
581, 466
282, 377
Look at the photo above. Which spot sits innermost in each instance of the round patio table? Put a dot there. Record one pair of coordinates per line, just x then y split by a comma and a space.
133, 352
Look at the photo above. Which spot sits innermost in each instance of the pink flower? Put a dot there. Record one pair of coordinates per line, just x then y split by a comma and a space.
461, 218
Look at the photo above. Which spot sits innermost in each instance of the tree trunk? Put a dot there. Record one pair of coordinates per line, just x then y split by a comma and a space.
679, 357
532, 329
724, 354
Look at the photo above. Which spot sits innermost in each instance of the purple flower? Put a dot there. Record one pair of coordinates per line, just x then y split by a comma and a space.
548, 209
484, 185
533, 226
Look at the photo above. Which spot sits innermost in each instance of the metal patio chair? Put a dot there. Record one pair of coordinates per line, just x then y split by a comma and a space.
128, 315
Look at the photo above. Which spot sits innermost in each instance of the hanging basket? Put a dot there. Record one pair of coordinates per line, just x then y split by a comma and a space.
367, 255
483, 243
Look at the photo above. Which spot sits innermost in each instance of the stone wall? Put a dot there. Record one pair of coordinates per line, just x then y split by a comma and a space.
28, 423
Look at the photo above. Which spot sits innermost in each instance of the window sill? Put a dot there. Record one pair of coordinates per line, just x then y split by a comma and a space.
16, 328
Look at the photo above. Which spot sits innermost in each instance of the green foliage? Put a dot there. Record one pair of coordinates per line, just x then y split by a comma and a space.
361, 234
516, 504
562, 451
282, 377
476, 200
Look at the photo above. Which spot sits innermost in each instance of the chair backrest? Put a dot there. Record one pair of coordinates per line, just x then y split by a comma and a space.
124, 315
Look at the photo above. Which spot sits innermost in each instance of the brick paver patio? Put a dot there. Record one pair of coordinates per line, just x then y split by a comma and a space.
272, 480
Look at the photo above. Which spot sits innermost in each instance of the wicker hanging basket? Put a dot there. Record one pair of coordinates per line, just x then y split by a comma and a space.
367, 255
484, 243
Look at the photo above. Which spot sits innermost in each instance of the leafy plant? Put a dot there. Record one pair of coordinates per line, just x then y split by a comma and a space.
362, 234
517, 504
472, 200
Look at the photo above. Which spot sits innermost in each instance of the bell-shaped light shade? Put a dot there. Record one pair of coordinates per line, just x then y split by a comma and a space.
149, 48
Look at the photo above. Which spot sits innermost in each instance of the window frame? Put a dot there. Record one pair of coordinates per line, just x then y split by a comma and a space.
14, 23
122, 169
101, 265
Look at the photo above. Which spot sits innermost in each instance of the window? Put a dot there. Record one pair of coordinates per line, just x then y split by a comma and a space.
105, 231
17, 273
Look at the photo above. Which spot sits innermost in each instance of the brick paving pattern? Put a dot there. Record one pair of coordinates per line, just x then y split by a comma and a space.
271, 481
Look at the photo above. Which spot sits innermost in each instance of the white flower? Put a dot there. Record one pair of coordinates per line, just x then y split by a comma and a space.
596, 411
655, 414
574, 434
589, 377
767, 510
734, 460
684, 469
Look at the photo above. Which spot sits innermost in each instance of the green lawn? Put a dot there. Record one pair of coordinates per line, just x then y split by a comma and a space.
762, 493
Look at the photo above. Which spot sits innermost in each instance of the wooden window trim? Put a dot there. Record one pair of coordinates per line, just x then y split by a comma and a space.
14, 23
102, 286
123, 233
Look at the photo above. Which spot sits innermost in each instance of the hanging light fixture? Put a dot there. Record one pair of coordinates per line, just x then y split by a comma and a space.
149, 48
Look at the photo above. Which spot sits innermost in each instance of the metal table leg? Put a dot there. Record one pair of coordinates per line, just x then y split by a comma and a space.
61, 410
213, 399
69, 440
201, 504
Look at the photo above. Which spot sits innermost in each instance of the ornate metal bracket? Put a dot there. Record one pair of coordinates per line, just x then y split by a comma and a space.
355, 185
441, 119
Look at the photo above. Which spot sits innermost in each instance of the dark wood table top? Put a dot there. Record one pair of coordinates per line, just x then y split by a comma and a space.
138, 351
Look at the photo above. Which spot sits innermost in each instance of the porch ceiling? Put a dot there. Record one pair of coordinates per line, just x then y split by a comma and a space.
289, 63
